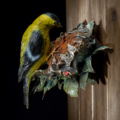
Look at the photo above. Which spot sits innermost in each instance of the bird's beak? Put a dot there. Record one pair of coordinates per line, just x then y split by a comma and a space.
59, 25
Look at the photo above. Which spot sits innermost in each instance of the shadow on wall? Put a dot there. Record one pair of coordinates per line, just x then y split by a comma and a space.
99, 61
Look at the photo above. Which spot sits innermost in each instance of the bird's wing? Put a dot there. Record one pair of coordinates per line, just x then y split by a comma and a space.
31, 53
25, 41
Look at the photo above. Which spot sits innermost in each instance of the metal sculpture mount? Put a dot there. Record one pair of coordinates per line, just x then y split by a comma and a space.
70, 62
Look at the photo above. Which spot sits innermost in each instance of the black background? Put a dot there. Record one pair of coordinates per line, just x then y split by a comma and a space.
54, 106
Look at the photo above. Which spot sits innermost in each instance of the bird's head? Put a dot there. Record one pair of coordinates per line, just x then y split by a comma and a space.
49, 20
53, 20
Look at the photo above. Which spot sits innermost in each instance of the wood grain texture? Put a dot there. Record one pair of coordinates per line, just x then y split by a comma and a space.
113, 28
101, 101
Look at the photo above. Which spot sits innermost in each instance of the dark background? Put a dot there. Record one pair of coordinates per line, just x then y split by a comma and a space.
54, 105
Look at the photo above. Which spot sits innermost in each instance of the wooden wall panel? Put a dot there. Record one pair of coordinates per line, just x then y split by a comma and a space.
113, 30
101, 101
71, 12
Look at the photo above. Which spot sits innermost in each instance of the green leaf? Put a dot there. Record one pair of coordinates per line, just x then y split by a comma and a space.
83, 80
50, 84
93, 42
61, 83
88, 66
39, 87
91, 81
71, 87
102, 48
90, 25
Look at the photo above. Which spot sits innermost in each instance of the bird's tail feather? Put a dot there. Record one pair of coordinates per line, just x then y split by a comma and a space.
20, 78
26, 87
20, 75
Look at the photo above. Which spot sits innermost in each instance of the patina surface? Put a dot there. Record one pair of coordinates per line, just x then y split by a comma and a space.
70, 61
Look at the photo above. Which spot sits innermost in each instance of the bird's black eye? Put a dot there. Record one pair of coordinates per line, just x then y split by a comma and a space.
55, 22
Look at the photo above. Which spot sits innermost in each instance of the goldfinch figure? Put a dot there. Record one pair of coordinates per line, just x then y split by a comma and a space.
34, 48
